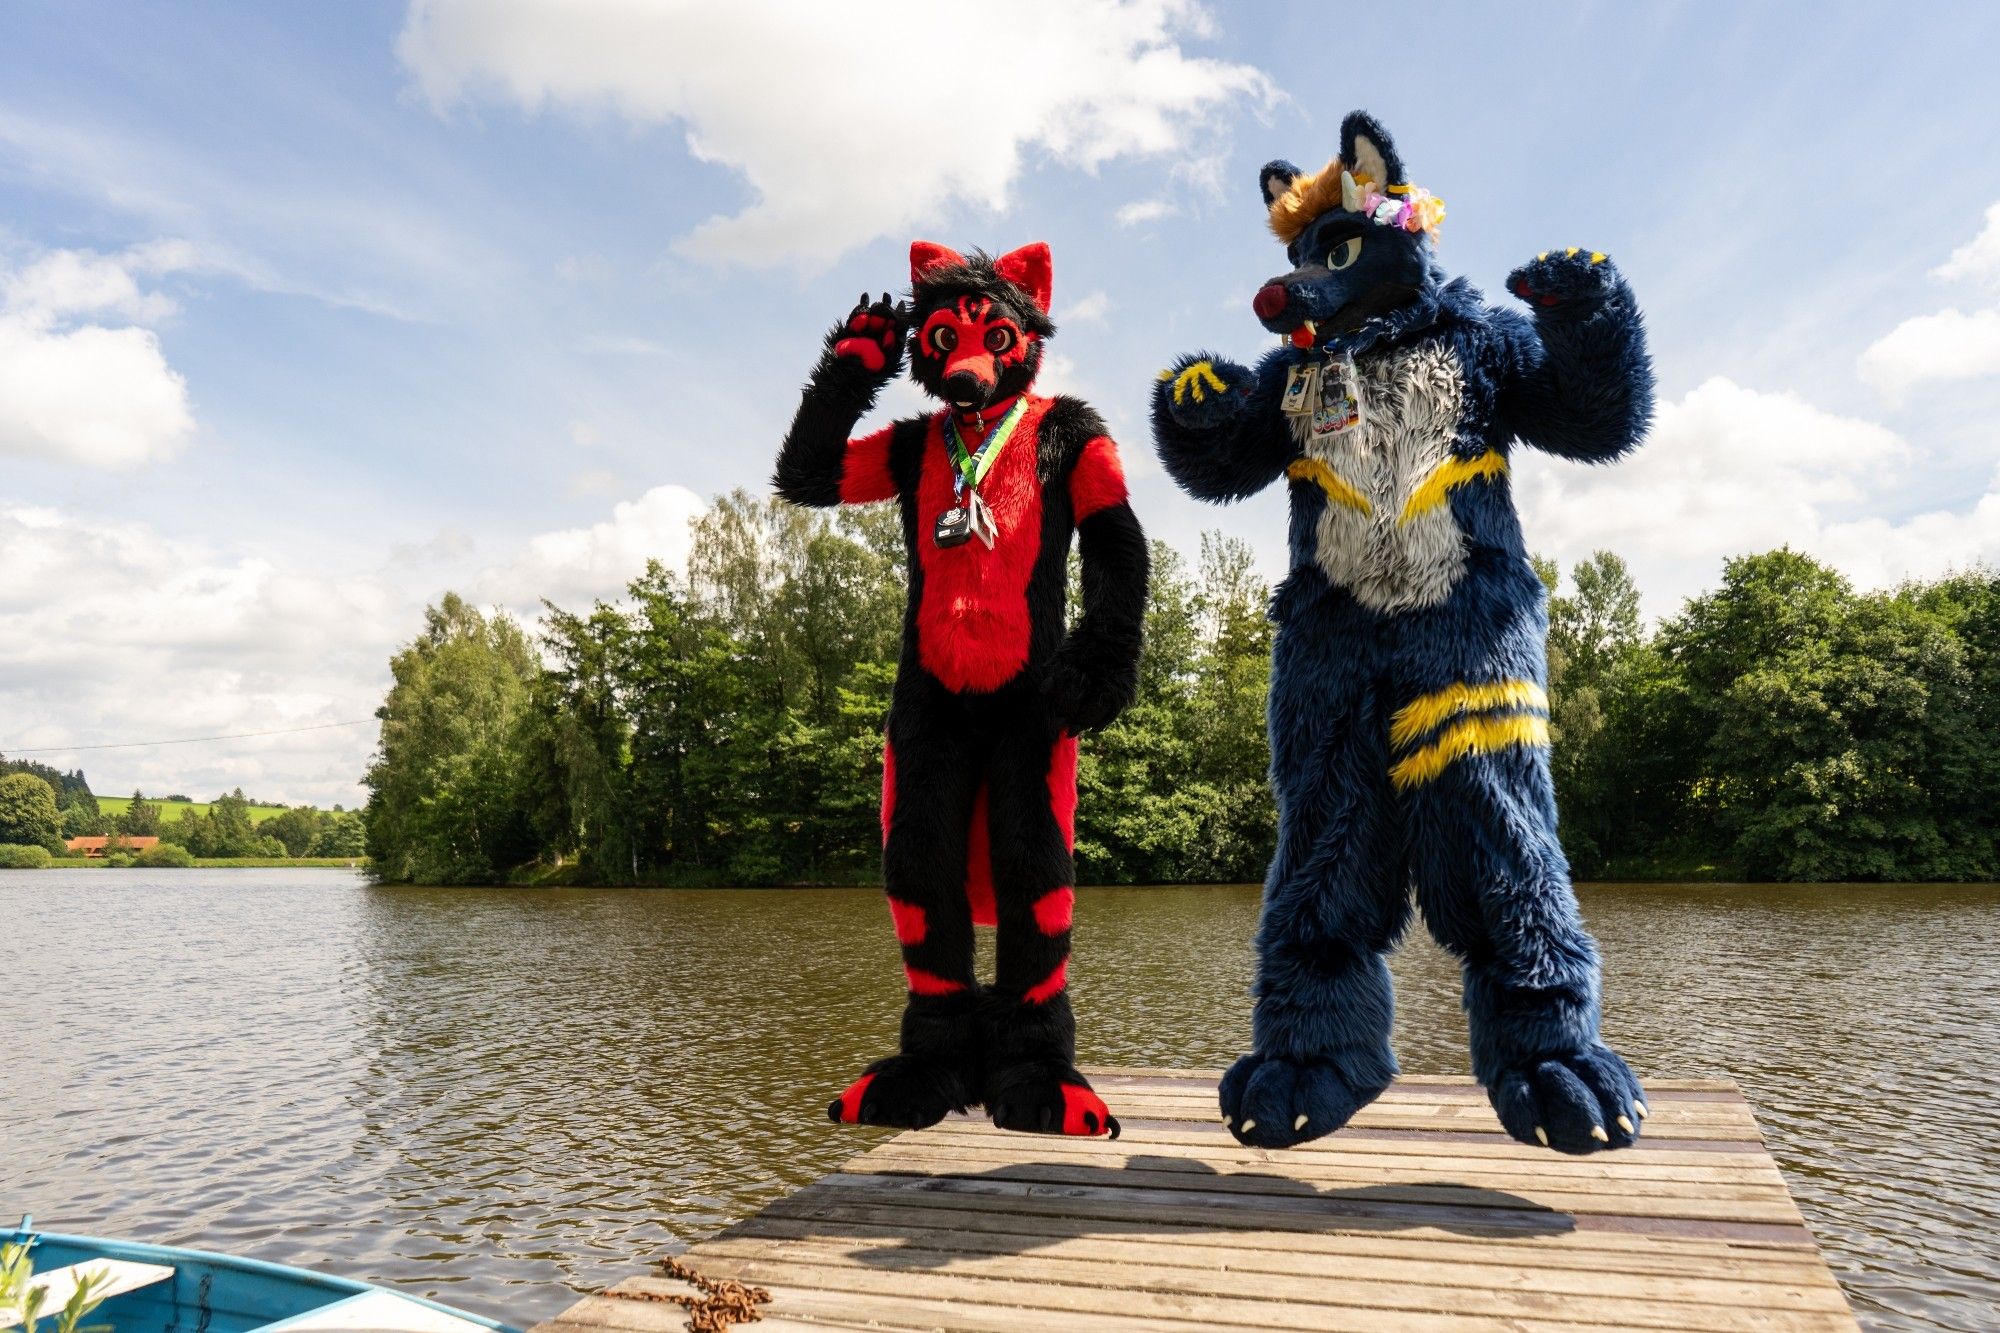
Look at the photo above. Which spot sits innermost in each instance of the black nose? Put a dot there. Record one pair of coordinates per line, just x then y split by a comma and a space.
1271, 300
962, 386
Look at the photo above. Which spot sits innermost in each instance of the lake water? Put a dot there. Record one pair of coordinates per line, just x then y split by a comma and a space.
489, 1096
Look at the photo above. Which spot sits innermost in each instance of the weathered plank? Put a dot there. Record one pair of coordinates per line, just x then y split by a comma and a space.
1422, 1216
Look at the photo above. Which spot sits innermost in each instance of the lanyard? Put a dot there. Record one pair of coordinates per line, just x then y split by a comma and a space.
970, 469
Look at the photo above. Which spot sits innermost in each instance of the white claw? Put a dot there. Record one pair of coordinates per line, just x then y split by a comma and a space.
1640, 1107
1543, 1135
1597, 1132
1625, 1123
1300, 1123
1228, 1122
1249, 1125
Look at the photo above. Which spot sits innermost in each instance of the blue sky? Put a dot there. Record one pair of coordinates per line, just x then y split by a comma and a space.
310, 313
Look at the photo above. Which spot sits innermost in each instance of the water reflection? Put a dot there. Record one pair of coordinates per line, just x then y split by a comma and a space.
484, 1095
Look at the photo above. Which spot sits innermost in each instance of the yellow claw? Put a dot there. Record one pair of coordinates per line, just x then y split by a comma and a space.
1571, 252
1300, 1123
1543, 1135
1597, 1132
1249, 1125
1543, 255
1166, 374
1640, 1107
1192, 380
1597, 256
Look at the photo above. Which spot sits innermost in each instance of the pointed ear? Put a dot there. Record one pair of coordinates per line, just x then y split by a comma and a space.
1031, 269
1366, 148
1275, 179
927, 255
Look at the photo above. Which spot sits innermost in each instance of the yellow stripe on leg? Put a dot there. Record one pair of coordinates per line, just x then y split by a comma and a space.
1421, 714
1453, 472
1337, 487
1475, 735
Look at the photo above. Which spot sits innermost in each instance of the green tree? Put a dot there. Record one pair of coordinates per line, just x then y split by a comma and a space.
28, 814
341, 833
83, 821
296, 828
446, 803
141, 818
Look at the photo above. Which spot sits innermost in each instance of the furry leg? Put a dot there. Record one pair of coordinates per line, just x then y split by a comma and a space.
1334, 901
1472, 769
930, 773
1032, 1082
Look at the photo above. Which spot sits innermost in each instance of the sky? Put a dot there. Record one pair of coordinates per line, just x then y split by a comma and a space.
309, 314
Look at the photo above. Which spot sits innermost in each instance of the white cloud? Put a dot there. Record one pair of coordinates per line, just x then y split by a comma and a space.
1087, 309
1141, 211
75, 389
1949, 345
814, 104
110, 632
1978, 260
573, 566
1729, 470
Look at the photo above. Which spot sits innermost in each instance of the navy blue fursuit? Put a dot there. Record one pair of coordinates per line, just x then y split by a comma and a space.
1408, 713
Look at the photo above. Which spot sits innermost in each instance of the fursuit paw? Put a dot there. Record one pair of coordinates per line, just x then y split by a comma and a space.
1049, 1099
1566, 281
903, 1092
1201, 393
871, 338
1583, 1102
1089, 683
1268, 1102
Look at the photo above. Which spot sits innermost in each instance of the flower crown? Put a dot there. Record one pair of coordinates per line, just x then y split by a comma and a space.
1410, 207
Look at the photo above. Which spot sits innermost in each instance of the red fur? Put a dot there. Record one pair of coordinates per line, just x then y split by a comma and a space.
1062, 787
925, 983
927, 255
888, 787
850, 1101
1032, 269
979, 865
1054, 910
972, 623
1076, 1102
1098, 480
1050, 986
910, 923
864, 471
970, 321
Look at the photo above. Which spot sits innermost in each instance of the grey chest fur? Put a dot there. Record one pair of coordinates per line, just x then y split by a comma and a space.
1385, 532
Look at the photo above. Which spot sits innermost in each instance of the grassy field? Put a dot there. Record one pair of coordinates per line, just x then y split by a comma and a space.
113, 806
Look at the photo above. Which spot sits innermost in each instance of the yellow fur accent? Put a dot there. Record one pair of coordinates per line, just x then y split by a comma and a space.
1336, 486
1452, 472
1190, 380
1597, 256
1475, 735
1419, 715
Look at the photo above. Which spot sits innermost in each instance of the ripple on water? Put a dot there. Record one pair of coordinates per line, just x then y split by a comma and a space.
490, 1095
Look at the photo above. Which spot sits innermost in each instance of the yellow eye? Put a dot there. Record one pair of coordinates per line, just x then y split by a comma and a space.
1344, 254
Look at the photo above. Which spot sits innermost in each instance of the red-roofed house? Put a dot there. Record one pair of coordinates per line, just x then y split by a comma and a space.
96, 847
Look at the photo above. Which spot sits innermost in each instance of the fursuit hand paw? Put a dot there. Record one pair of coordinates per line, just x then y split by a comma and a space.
870, 338
1567, 281
1089, 683
1200, 393
1582, 1102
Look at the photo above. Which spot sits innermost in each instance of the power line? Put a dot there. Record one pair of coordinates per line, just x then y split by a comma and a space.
190, 740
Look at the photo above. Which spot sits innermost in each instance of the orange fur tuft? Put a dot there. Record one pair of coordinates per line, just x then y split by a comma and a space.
1306, 198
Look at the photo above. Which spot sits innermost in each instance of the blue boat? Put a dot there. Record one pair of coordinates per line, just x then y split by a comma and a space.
165, 1289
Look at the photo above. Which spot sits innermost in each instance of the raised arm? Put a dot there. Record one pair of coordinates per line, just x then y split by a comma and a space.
1218, 427
819, 464
1096, 671
1580, 380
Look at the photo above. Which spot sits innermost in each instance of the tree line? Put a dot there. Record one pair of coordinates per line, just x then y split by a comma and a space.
42, 807
723, 725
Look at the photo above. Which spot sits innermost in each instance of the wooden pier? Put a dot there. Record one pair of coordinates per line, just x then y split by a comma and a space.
1421, 1215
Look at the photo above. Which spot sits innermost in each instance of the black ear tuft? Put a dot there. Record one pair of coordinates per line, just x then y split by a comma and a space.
1275, 179
1366, 149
